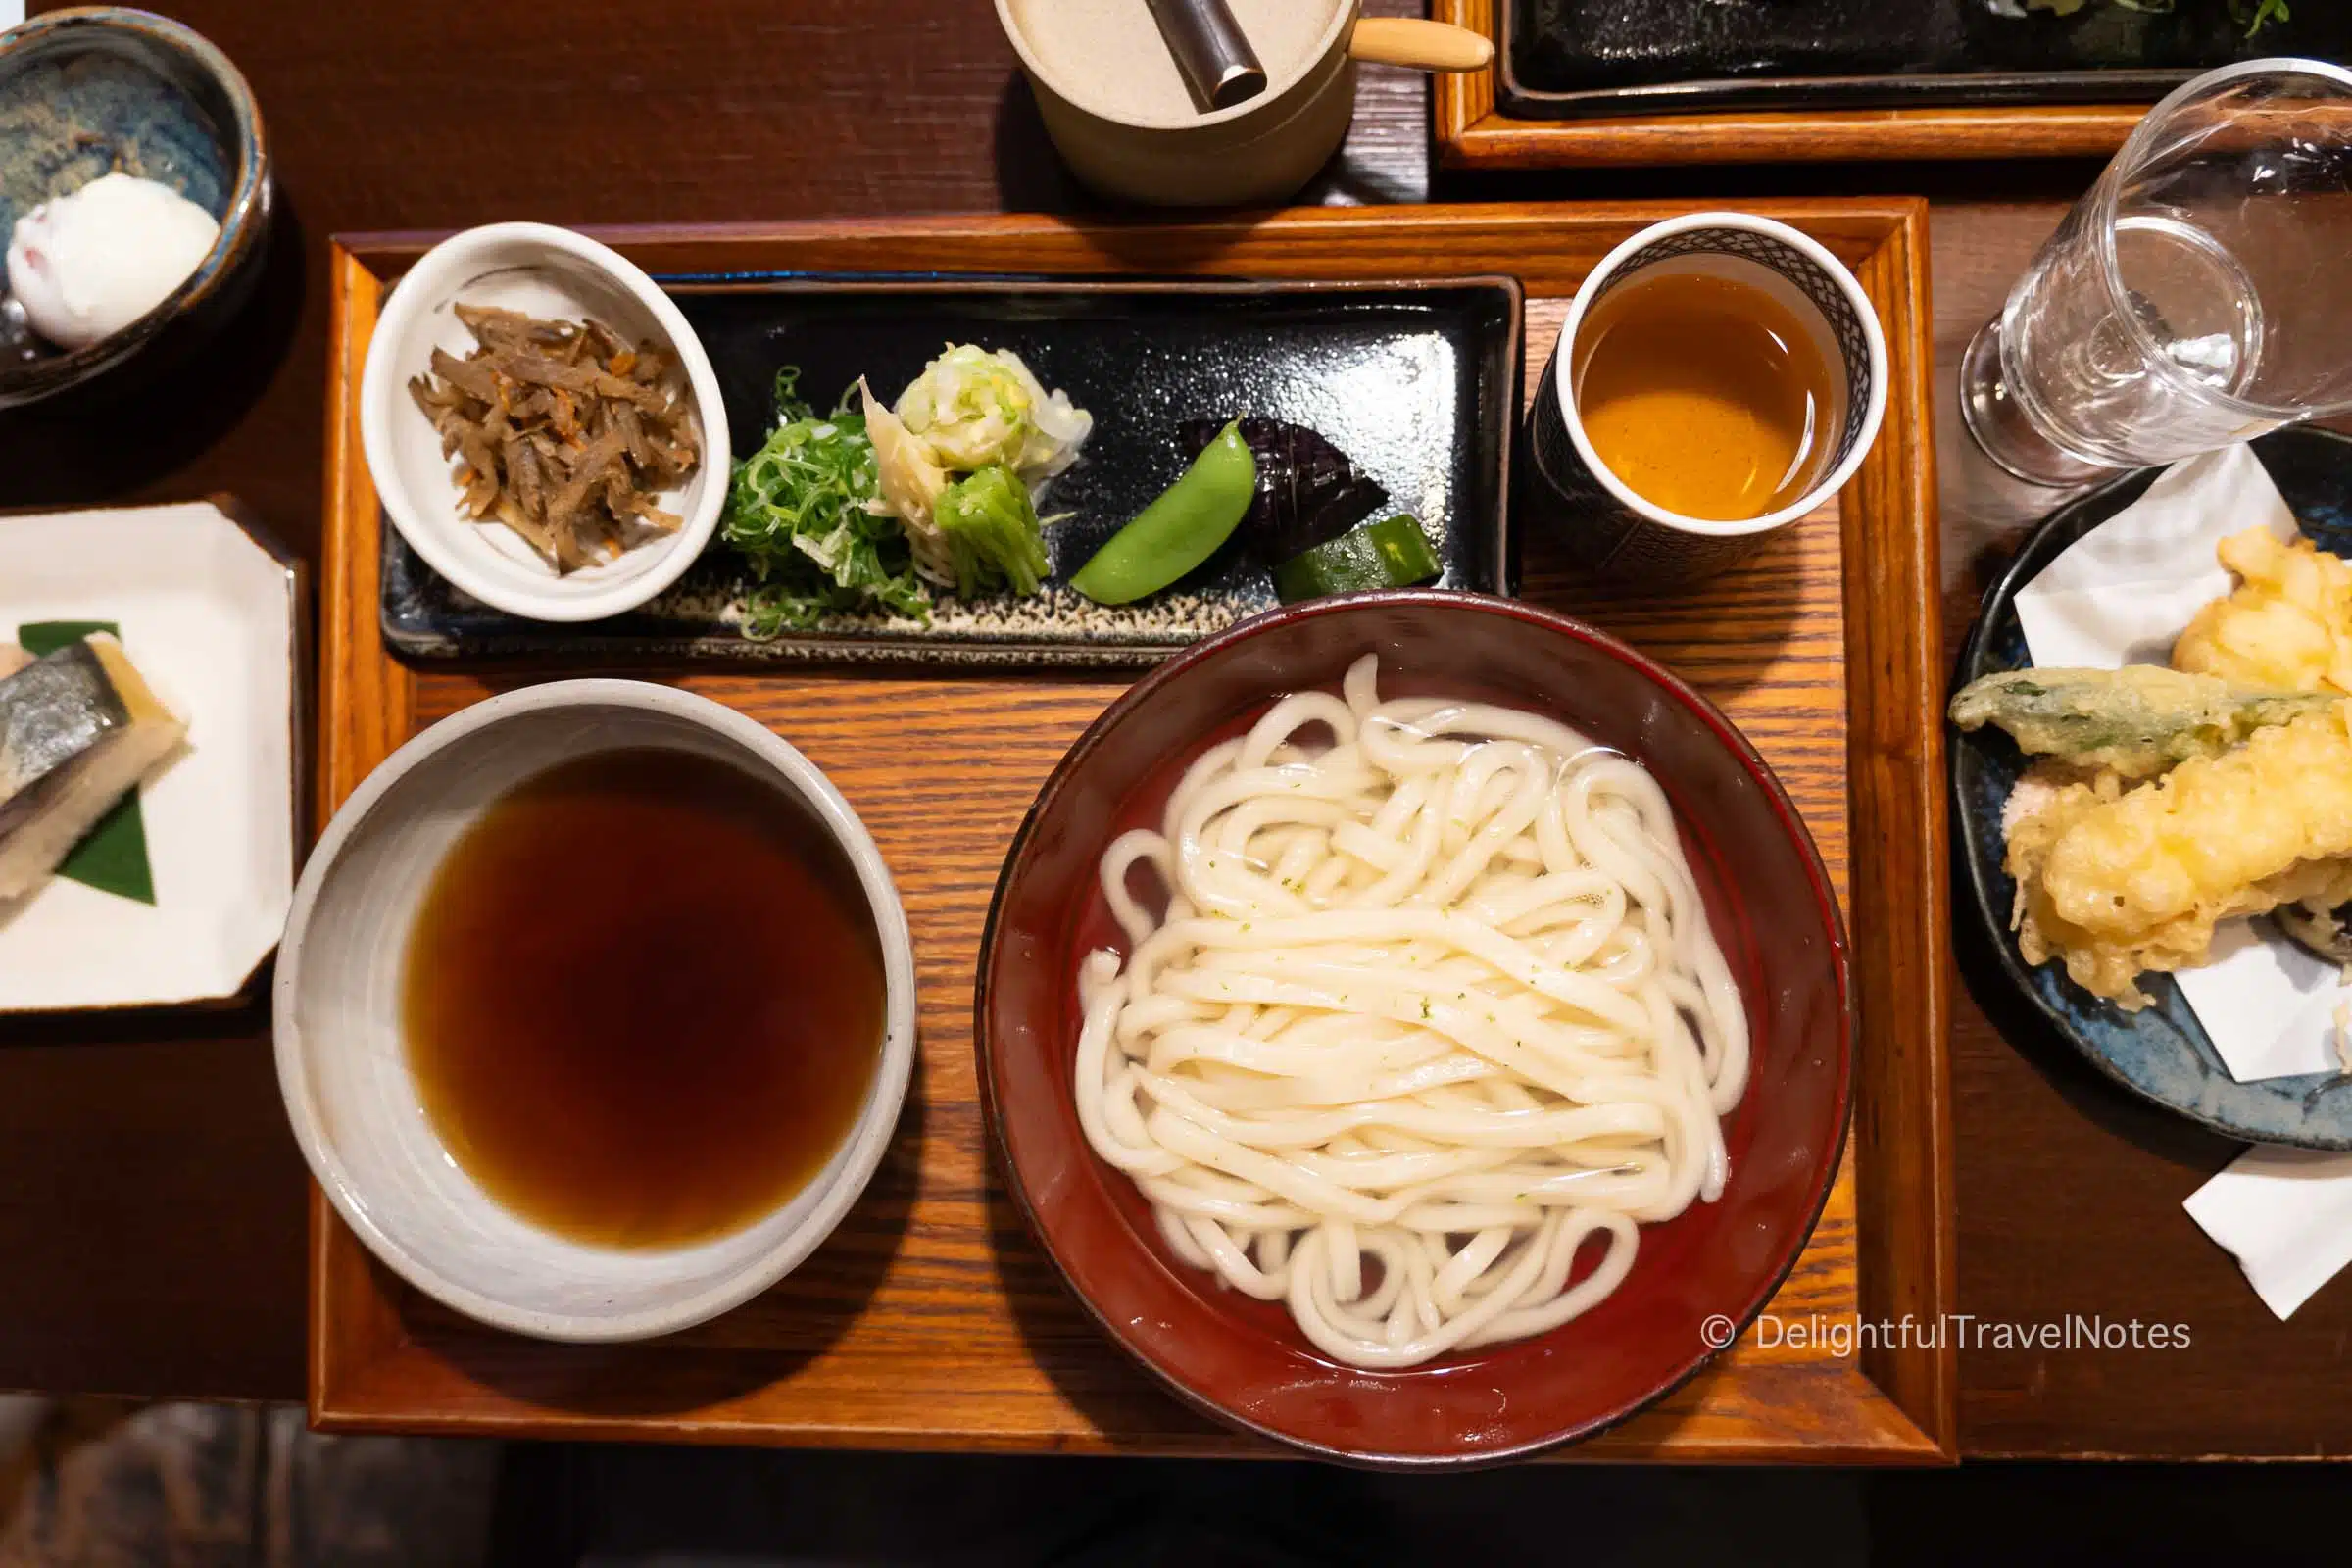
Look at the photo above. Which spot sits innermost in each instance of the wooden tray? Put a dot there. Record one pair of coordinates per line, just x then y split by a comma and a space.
1471, 134
929, 1320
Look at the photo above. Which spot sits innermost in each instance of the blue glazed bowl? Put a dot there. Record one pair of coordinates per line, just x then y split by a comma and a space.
2161, 1052
99, 88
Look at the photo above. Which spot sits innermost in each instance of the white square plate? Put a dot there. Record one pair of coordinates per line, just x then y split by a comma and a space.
211, 615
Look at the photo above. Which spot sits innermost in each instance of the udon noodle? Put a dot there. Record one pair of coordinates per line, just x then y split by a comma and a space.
1432, 1003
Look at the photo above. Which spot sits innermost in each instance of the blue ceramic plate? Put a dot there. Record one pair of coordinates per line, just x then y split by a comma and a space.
2161, 1052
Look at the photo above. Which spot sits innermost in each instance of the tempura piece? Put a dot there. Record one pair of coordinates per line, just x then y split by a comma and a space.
2137, 721
2288, 625
2117, 882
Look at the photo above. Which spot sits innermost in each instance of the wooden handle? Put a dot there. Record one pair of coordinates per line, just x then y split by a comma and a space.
1422, 45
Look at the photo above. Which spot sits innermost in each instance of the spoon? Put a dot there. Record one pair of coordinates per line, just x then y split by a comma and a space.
1213, 54
17, 341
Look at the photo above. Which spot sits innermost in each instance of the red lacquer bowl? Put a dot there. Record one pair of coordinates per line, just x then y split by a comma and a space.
1243, 1360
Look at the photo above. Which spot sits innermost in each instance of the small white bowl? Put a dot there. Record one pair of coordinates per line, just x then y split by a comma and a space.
545, 271
342, 1063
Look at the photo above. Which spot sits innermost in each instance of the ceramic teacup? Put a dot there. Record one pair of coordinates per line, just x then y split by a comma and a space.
1609, 529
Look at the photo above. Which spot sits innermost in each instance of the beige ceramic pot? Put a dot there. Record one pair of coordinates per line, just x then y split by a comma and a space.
1133, 146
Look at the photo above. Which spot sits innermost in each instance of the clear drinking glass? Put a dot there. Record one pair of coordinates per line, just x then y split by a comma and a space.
2200, 294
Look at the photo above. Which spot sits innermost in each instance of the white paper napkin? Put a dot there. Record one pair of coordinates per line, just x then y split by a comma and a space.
2287, 1214
2121, 595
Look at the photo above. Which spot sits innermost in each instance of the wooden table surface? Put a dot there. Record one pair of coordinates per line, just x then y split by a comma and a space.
151, 1199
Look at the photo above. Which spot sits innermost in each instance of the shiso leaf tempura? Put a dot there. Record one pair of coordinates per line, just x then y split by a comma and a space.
2138, 720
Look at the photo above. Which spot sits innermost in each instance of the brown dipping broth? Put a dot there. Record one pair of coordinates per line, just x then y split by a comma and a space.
1704, 395
643, 998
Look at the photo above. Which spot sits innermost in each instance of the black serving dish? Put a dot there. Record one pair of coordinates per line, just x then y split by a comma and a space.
1417, 382
1568, 58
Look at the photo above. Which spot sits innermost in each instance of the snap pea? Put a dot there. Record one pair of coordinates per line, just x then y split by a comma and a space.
1178, 531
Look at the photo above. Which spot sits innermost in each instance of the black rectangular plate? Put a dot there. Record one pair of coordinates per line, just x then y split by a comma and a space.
1570, 59
1418, 382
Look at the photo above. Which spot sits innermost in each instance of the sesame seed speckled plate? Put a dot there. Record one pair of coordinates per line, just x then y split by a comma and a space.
2161, 1052
1418, 382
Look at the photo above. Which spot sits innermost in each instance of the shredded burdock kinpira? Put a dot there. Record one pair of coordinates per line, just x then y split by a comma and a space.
562, 431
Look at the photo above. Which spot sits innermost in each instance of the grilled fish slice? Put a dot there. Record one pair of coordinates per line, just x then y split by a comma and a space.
78, 729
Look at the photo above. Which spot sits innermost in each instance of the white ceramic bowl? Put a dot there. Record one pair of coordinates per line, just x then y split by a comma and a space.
343, 1067
546, 271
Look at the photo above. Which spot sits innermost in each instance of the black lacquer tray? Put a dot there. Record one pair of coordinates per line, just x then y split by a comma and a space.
1573, 58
